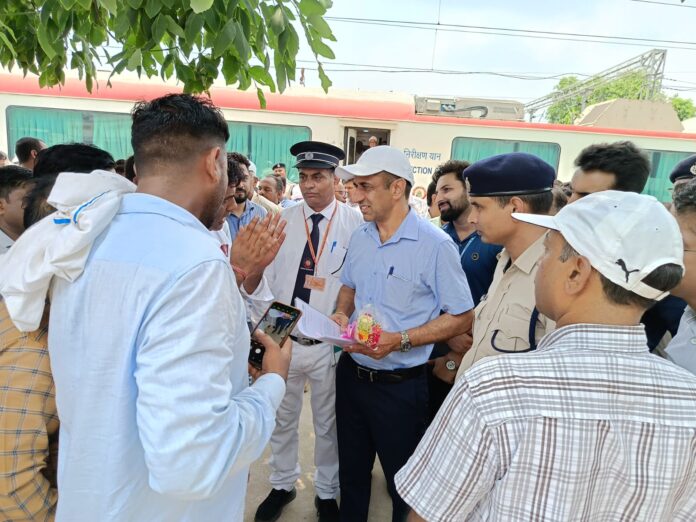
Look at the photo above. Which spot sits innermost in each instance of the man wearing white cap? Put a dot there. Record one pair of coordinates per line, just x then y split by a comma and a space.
409, 271
590, 426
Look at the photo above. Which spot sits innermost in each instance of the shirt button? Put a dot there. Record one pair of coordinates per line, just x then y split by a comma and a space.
693, 340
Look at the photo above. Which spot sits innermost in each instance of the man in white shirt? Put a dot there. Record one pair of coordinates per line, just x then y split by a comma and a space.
308, 266
14, 184
149, 345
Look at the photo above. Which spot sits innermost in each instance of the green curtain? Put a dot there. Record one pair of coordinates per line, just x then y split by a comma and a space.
662, 163
239, 137
267, 145
112, 132
52, 126
474, 149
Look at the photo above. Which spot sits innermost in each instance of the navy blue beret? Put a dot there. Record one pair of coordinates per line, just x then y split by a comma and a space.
513, 174
317, 155
686, 168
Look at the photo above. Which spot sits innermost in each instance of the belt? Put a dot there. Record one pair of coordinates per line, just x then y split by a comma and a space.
304, 341
386, 376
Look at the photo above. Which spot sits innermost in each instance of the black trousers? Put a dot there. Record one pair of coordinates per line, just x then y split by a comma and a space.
372, 418
437, 389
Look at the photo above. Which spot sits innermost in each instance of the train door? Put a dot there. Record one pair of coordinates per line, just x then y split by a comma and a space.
359, 139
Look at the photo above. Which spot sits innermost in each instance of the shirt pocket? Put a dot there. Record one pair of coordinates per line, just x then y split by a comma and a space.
512, 332
336, 261
398, 290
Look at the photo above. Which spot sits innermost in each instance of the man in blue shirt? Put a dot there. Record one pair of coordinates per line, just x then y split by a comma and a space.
246, 209
478, 260
149, 345
409, 271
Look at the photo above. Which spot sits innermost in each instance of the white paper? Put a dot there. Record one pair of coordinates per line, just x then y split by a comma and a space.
315, 325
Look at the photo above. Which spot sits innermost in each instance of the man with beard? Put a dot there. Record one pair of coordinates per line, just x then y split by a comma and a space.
149, 345
478, 261
246, 209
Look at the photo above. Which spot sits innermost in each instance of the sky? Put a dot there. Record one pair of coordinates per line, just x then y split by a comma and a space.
412, 47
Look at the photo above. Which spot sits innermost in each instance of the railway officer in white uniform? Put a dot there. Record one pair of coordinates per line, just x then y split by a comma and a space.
308, 266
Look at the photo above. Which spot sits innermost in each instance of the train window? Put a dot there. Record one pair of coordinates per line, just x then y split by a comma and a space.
474, 149
109, 131
266, 144
661, 164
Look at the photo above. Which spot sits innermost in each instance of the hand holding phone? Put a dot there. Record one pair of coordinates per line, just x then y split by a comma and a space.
276, 358
276, 324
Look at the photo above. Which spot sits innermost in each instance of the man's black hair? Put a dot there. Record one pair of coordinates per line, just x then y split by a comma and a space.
623, 159
240, 158
36, 205
235, 175
684, 200
455, 167
432, 188
539, 203
13, 177
175, 128
72, 157
129, 169
24, 146
120, 167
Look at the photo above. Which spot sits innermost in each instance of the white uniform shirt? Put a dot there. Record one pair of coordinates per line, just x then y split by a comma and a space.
682, 349
282, 272
6, 243
257, 303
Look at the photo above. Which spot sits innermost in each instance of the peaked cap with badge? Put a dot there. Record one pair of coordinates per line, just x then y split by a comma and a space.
316, 155
513, 174
685, 169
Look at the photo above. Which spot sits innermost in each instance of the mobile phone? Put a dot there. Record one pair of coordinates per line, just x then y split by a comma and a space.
278, 322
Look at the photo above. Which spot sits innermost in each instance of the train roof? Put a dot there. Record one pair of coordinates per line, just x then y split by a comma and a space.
363, 105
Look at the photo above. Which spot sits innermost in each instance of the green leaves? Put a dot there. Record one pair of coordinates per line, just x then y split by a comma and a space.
248, 43
198, 6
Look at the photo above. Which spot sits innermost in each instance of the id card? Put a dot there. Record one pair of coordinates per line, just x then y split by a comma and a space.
315, 283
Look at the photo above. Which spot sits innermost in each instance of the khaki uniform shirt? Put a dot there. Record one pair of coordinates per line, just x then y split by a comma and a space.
503, 315
265, 203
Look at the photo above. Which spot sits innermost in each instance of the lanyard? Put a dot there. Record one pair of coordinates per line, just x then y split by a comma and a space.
316, 257
466, 247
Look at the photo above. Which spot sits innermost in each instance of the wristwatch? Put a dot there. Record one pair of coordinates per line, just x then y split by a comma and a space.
405, 342
451, 365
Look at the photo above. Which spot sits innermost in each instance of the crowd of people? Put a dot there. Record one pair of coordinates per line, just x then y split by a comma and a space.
524, 369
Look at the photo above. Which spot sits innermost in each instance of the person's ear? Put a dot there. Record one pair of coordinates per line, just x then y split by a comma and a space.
210, 160
517, 205
578, 275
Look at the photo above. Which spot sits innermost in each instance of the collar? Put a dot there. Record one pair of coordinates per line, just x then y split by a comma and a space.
327, 212
407, 230
249, 207
139, 203
529, 258
452, 232
609, 338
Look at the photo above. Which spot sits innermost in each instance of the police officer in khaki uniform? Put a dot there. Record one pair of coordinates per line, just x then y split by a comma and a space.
506, 319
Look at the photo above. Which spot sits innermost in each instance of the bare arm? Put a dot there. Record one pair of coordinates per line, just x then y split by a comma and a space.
345, 305
442, 328
415, 517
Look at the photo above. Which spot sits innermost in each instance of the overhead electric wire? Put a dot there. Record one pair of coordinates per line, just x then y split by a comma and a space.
664, 3
521, 33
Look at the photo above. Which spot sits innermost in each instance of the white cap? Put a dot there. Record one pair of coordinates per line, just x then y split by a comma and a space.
379, 159
625, 236
252, 168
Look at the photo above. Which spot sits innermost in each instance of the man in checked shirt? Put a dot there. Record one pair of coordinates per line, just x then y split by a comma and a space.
590, 426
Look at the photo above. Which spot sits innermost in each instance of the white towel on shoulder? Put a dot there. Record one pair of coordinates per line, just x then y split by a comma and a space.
58, 245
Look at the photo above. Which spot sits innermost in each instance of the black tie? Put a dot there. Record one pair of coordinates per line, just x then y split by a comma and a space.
307, 263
